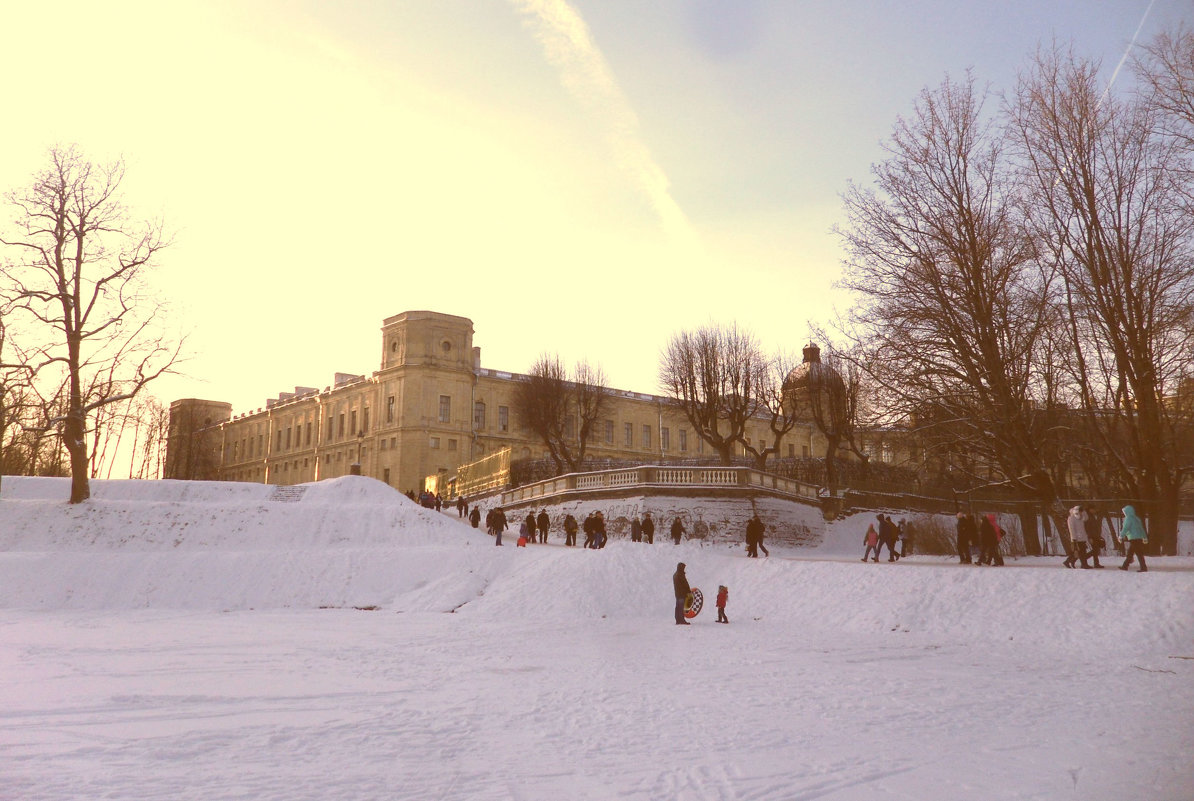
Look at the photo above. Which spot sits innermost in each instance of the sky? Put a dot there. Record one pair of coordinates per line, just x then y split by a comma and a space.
582, 178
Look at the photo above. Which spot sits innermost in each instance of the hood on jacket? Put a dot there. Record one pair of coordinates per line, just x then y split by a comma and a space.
1129, 511
1076, 511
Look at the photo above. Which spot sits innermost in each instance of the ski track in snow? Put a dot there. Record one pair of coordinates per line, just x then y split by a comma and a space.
175, 648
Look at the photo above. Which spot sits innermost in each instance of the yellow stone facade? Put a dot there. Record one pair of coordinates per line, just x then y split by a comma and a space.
430, 408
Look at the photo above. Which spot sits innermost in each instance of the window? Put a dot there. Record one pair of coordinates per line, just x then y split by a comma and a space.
503, 418
683, 439
383, 445
308, 433
278, 444
451, 444
791, 450
628, 434
260, 444
390, 409
287, 439
445, 408
479, 415
646, 437
385, 475
365, 419
570, 426
341, 431
435, 442
609, 432
665, 439
353, 428
331, 423
804, 451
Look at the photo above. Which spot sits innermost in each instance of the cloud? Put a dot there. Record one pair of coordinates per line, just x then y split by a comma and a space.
566, 42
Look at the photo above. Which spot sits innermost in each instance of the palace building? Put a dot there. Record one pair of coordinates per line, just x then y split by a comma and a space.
429, 408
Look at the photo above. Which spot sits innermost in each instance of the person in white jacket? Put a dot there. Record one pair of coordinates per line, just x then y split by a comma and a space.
1079, 543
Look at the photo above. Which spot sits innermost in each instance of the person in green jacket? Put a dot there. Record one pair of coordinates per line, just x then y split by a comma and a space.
1134, 535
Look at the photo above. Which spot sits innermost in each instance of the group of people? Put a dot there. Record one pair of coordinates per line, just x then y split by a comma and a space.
887, 533
684, 594
1086, 538
985, 533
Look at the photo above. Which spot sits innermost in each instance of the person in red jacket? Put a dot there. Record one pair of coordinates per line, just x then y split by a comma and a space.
723, 595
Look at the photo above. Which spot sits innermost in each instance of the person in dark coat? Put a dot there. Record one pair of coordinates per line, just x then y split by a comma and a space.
1094, 536
499, 524
570, 529
680, 585
461, 506
599, 535
636, 530
988, 542
760, 531
530, 521
966, 535
887, 535
542, 523
648, 529
677, 530
474, 516
589, 529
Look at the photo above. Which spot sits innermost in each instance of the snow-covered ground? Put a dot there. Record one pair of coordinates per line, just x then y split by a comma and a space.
173, 640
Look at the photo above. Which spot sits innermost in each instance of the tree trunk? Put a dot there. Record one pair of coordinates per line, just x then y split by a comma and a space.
76, 446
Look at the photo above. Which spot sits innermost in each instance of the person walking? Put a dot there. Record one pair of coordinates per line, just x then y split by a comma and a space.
871, 541
760, 531
723, 595
1132, 532
966, 535
499, 524
530, 526
752, 545
648, 529
542, 523
905, 538
988, 542
1094, 536
474, 516
1079, 540
599, 535
570, 528
677, 530
680, 585
461, 506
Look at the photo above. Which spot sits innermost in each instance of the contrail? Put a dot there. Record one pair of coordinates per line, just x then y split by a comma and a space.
1127, 52
566, 42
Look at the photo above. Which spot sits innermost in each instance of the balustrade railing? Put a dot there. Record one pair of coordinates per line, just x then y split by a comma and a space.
656, 476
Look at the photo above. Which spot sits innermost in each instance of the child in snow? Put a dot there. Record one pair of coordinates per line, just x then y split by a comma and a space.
723, 595
871, 541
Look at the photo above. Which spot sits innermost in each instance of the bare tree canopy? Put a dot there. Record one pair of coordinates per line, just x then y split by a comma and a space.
77, 274
562, 411
714, 375
952, 301
1106, 184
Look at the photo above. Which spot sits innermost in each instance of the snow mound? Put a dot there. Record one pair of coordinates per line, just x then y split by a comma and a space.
354, 542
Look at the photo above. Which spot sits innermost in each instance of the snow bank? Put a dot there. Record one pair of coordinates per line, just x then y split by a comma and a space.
354, 542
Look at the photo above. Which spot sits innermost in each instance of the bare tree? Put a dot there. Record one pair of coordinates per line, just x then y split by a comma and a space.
1107, 192
562, 411
953, 302
782, 410
79, 276
714, 376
